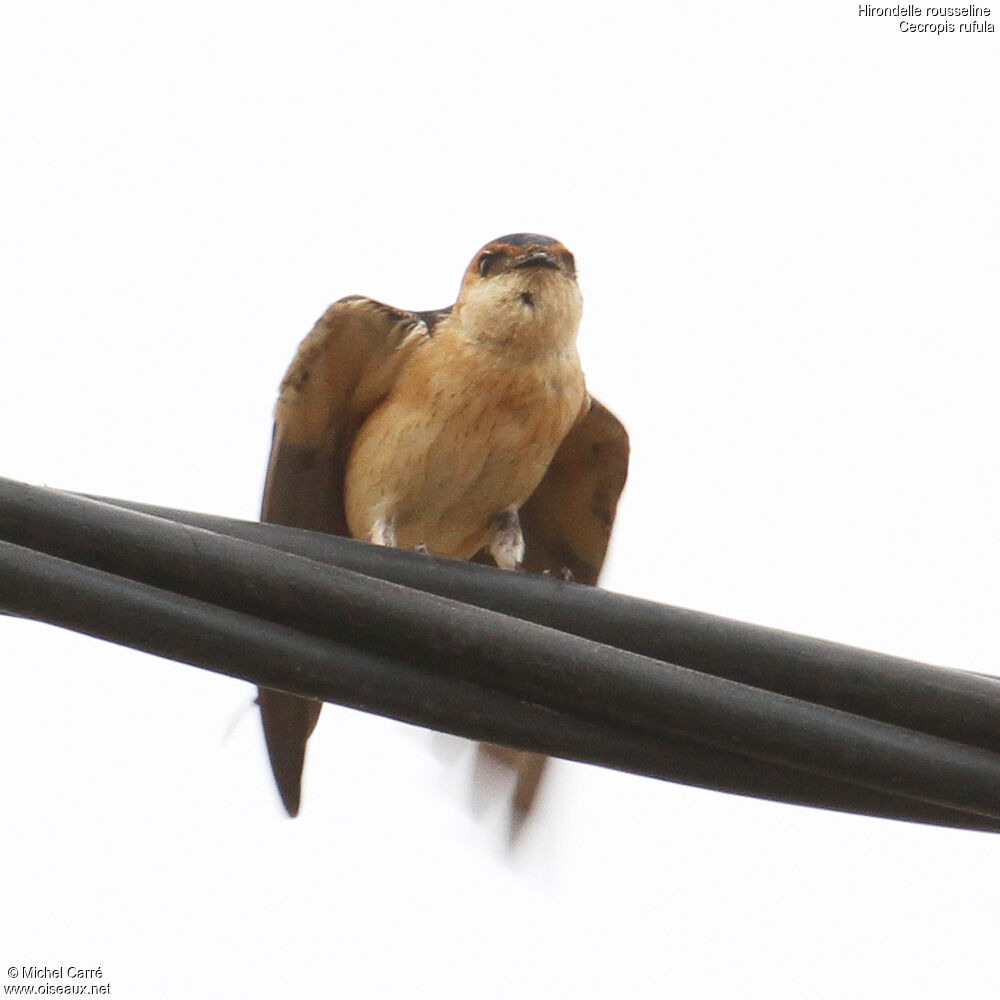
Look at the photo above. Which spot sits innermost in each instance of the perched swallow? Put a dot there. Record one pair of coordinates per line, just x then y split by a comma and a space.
462, 431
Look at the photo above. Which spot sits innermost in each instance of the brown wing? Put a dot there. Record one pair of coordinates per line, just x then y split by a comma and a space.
567, 525
341, 372
567, 520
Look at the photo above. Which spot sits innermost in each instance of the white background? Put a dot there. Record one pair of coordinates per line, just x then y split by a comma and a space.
785, 218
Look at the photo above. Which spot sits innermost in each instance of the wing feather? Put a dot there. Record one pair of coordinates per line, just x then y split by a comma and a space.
341, 372
343, 369
567, 521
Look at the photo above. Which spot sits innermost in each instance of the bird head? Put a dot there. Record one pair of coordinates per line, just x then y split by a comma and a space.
522, 288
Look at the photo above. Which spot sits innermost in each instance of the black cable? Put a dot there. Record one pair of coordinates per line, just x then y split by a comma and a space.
579, 678
39, 586
953, 704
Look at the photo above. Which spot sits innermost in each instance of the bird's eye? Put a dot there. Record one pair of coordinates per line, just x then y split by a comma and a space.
486, 262
568, 262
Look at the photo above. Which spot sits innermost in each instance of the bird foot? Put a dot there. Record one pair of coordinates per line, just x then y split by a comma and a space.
384, 533
507, 547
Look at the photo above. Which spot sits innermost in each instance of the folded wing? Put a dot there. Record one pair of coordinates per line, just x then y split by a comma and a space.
345, 367
567, 521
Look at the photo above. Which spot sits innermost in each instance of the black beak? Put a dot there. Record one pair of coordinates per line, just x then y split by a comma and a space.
538, 259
